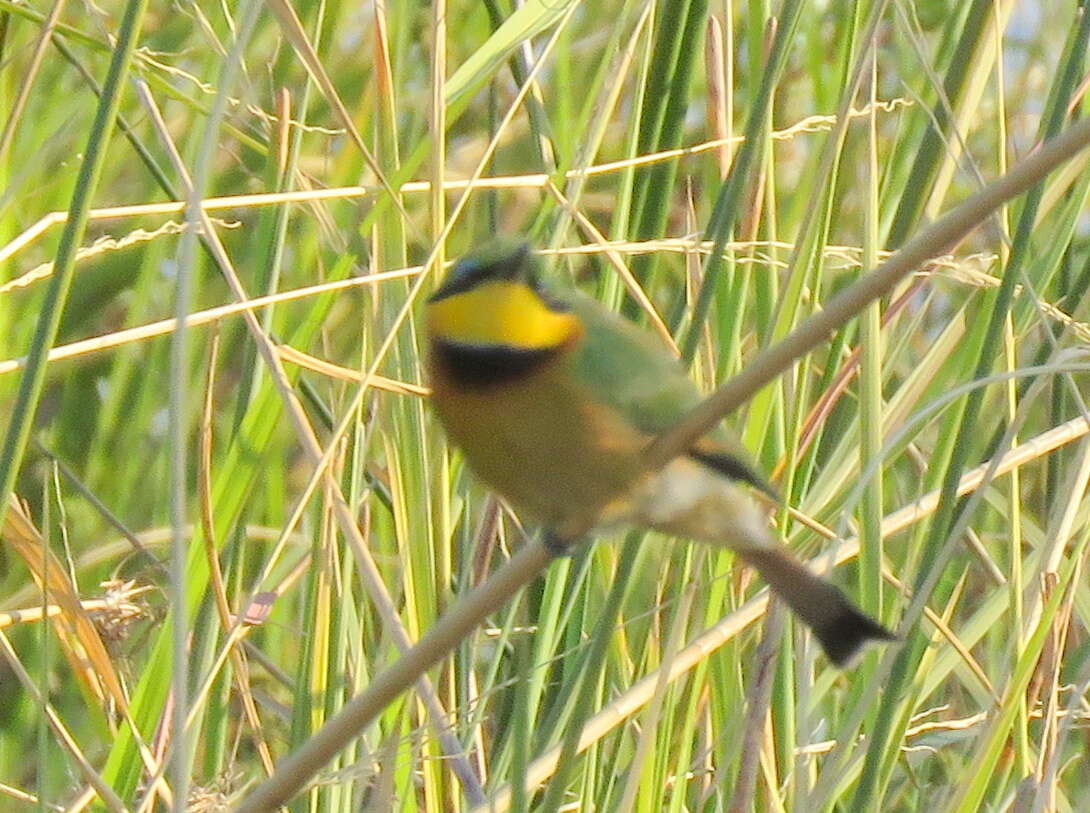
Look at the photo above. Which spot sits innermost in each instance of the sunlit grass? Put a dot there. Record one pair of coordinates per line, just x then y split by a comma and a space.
938, 443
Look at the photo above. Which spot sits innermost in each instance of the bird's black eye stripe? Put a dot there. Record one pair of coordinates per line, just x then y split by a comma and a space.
465, 277
550, 301
467, 274
470, 272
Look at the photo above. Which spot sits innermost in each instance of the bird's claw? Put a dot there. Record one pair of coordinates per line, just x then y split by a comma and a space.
558, 545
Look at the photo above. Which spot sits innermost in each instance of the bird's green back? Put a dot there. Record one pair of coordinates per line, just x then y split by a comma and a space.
626, 368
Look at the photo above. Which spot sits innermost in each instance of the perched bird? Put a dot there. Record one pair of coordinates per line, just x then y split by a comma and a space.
554, 400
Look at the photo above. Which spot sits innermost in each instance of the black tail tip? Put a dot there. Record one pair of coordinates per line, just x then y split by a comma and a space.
843, 636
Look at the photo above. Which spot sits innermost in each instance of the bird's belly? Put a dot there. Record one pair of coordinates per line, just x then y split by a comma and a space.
544, 445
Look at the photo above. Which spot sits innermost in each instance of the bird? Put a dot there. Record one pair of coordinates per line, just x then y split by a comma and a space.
553, 400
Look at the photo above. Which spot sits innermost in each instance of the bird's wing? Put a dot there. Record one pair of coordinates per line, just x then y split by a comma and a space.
626, 368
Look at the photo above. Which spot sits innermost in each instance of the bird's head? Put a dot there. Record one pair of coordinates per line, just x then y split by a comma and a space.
505, 259
493, 297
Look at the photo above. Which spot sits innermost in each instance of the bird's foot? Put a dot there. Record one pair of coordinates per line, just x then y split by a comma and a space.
558, 545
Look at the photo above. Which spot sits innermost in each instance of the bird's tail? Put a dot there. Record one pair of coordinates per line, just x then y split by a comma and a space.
839, 625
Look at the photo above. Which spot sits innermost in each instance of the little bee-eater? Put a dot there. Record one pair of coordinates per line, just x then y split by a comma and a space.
554, 400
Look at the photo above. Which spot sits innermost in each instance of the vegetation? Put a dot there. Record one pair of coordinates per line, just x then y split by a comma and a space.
267, 470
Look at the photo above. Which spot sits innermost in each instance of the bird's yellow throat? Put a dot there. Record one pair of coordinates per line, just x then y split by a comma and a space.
501, 312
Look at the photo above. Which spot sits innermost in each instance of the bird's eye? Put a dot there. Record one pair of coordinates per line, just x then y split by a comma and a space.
463, 277
466, 269
497, 263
